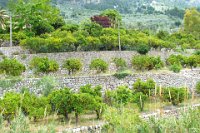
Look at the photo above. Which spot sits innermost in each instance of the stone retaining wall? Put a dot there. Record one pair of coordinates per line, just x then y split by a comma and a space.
111, 82
85, 129
85, 57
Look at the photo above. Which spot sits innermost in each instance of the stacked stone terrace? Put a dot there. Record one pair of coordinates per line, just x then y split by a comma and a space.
187, 78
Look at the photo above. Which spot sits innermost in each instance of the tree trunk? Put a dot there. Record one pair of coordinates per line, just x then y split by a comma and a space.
76, 115
34, 119
98, 114
66, 116
8, 120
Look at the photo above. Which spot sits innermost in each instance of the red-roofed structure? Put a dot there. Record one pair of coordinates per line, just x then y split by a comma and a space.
104, 21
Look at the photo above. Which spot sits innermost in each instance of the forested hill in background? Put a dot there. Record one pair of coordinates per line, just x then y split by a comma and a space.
142, 14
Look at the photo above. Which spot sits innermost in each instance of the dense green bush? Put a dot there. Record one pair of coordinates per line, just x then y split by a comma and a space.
98, 106
72, 65
122, 95
33, 106
197, 52
198, 87
184, 61
120, 63
192, 61
58, 41
144, 87
61, 101
70, 27
175, 95
43, 64
10, 105
11, 67
65, 101
177, 59
91, 37
143, 49
175, 68
122, 74
30, 105
145, 62
99, 65
82, 102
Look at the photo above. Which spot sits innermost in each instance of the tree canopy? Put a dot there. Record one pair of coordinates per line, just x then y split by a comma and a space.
192, 22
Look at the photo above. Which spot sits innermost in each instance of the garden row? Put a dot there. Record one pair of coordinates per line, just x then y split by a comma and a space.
73, 65
64, 102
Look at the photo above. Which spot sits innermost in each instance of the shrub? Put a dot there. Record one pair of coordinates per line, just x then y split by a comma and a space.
9, 105
98, 105
144, 87
122, 95
192, 61
143, 49
122, 119
9, 83
72, 65
174, 95
121, 74
61, 100
81, 102
120, 63
33, 106
176, 59
58, 41
175, 68
99, 65
145, 62
92, 44
46, 85
42, 27
198, 87
139, 98
197, 52
108, 97
43, 64
70, 27
20, 124
140, 62
11, 67
96, 91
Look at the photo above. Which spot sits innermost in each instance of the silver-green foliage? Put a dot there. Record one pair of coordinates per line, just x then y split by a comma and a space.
20, 124
8, 83
47, 84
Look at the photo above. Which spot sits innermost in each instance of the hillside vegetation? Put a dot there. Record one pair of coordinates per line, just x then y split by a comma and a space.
113, 88
154, 15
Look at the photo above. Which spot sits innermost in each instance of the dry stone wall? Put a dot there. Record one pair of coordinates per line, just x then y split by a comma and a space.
185, 78
86, 58
111, 82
